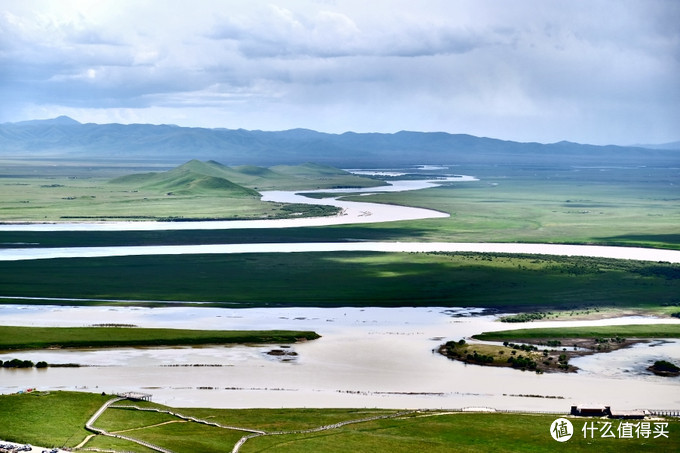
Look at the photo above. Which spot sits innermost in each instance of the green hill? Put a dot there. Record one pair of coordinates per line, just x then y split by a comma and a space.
192, 178
192, 183
204, 178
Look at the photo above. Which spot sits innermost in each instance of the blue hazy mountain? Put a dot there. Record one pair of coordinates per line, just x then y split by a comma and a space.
64, 137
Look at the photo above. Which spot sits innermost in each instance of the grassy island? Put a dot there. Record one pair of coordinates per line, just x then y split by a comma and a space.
520, 356
23, 338
626, 331
549, 349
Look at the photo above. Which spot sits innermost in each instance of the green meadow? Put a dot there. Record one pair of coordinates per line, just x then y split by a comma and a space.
630, 331
635, 206
504, 282
57, 419
195, 190
22, 338
628, 208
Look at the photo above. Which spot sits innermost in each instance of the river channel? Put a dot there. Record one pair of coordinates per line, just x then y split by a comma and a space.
372, 357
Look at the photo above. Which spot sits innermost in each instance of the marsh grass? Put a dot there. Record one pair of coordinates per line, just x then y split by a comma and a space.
20, 338
635, 206
508, 282
629, 331
625, 208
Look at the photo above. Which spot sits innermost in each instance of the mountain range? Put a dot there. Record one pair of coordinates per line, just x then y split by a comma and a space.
66, 138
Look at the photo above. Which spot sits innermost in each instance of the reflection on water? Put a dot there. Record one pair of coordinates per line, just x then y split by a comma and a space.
372, 357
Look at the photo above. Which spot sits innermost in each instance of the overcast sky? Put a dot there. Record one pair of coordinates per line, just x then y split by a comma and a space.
529, 70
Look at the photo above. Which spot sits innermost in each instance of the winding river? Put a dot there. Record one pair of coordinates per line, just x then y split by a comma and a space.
352, 213
373, 357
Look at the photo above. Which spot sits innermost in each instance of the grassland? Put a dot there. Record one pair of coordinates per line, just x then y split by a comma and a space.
630, 331
630, 207
504, 282
57, 419
64, 199
614, 206
19, 338
195, 190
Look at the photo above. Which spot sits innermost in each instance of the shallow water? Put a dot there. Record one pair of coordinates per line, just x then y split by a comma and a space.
632, 362
371, 357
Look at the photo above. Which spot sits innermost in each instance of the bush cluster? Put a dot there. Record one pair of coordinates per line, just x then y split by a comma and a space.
520, 347
479, 358
664, 365
524, 317
16, 363
522, 362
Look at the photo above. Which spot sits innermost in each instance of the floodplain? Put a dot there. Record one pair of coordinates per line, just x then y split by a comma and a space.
632, 206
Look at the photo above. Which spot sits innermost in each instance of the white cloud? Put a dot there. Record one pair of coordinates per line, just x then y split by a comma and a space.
595, 71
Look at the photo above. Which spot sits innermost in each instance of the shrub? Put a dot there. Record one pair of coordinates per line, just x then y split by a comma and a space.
663, 365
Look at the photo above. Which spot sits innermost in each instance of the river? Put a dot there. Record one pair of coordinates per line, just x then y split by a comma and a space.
373, 357
351, 212
632, 253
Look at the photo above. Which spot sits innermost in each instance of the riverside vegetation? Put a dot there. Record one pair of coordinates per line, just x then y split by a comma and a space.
549, 349
665, 368
14, 338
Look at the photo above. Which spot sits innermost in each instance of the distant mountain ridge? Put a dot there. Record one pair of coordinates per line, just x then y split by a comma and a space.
671, 145
64, 137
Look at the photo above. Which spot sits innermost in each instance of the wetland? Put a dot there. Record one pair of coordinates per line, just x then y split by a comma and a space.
385, 284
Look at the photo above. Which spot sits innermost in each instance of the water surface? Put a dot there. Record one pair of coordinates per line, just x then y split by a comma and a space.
373, 357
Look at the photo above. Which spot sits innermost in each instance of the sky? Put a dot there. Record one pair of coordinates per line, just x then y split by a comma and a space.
588, 71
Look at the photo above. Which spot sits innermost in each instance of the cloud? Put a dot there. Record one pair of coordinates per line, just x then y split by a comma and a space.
596, 71
279, 32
